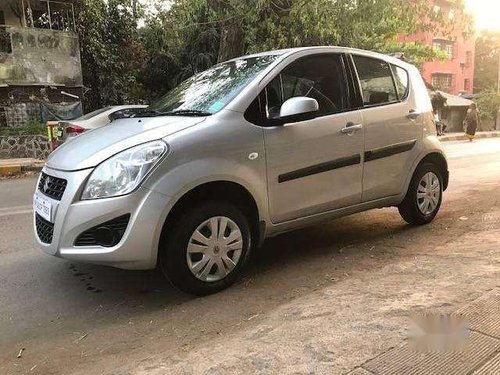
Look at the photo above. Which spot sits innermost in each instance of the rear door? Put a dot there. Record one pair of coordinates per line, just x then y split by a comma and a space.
312, 166
393, 128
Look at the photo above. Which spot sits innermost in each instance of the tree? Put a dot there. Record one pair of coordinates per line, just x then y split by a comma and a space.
371, 24
182, 37
179, 41
111, 52
191, 35
487, 61
488, 102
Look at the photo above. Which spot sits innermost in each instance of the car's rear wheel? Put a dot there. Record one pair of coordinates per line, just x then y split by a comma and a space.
207, 248
424, 196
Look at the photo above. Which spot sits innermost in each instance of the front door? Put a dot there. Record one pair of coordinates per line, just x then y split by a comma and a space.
314, 165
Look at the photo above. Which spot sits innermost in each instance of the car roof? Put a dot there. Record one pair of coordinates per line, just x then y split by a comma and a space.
290, 51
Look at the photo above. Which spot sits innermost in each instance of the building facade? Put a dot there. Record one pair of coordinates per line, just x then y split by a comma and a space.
39, 59
453, 36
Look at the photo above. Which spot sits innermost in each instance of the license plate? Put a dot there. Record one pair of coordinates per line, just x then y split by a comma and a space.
42, 207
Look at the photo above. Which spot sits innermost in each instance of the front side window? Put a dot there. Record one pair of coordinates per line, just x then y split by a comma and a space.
210, 91
377, 84
319, 77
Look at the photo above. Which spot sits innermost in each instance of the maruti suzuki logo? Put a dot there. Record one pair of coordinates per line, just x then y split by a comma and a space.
46, 184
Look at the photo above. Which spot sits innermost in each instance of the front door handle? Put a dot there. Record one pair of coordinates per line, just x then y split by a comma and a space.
351, 128
412, 115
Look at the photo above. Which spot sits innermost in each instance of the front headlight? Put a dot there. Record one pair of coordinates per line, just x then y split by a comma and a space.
122, 173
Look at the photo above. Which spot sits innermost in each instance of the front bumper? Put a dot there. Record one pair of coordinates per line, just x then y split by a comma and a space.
137, 248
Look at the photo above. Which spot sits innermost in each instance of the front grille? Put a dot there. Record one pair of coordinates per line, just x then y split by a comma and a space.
52, 187
97, 236
44, 229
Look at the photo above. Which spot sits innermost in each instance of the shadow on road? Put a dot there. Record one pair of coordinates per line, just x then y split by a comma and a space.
298, 255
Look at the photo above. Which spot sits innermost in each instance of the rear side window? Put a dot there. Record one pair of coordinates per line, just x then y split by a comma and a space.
401, 79
377, 84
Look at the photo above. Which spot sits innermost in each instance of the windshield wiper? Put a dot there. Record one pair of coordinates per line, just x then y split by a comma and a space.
181, 112
147, 112
186, 112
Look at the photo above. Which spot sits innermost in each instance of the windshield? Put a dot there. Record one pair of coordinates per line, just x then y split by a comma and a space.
94, 113
210, 91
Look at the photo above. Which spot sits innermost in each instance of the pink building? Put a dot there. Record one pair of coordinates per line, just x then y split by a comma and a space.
456, 74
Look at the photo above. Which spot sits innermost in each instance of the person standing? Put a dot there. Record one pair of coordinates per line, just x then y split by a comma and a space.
471, 122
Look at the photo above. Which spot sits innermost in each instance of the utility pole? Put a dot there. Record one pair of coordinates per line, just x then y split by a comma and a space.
48, 13
498, 84
23, 22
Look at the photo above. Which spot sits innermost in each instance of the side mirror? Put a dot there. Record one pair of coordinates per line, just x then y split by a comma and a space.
299, 107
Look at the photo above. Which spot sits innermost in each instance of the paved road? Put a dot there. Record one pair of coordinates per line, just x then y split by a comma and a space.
320, 300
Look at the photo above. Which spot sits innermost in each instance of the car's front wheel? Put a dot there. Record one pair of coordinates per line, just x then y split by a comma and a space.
424, 196
207, 248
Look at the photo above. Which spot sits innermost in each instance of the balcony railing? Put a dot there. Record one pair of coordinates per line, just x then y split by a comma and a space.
48, 14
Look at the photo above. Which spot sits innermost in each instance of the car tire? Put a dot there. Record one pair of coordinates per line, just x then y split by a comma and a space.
191, 242
413, 209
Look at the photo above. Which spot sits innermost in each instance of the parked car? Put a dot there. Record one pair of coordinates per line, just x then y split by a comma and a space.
92, 120
251, 148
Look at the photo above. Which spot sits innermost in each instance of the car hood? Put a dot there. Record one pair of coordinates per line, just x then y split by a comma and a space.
95, 146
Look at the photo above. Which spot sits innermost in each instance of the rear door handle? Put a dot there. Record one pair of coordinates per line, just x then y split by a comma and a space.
351, 128
412, 115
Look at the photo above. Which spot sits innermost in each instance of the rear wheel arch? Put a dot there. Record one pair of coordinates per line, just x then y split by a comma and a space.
440, 162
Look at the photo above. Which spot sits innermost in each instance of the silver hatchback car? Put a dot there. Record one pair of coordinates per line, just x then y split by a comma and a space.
250, 148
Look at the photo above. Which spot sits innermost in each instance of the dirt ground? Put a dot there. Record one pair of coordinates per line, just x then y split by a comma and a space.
321, 300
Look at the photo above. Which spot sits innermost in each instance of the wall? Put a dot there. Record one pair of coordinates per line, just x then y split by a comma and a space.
18, 115
10, 17
41, 57
24, 146
456, 65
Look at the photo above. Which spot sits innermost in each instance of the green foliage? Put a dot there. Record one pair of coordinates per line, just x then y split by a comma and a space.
488, 103
186, 38
487, 61
111, 52
122, 63
415, 53
178, 43
32, 127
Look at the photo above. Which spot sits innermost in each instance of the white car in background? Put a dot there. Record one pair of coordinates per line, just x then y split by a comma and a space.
96, 119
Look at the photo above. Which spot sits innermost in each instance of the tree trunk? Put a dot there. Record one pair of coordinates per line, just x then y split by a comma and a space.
230, 28
231, 39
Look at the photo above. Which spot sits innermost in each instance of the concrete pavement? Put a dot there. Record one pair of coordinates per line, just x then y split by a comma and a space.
327, 299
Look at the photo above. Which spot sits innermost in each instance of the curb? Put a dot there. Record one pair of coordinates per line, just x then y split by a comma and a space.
462, 137
12, 170
31, 168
